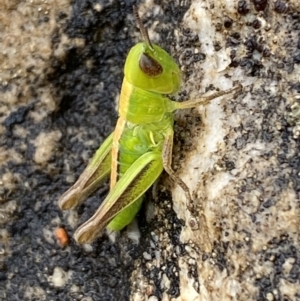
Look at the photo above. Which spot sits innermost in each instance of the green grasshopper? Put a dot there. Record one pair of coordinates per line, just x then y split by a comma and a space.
140, 147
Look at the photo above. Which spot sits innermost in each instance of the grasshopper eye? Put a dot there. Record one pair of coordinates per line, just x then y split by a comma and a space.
150, 66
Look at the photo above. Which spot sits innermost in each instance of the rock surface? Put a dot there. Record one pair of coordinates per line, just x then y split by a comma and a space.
61, 72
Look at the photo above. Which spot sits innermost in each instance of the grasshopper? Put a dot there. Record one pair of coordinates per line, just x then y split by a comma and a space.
140, 147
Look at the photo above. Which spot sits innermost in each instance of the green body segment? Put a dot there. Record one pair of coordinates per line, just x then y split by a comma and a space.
135, 141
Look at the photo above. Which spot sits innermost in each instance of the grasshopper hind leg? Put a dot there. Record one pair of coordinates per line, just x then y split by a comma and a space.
126, 196
126, 217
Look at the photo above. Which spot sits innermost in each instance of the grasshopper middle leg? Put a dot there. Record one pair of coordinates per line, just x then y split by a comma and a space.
167, 164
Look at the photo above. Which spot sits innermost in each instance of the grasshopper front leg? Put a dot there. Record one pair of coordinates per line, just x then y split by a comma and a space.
204, 100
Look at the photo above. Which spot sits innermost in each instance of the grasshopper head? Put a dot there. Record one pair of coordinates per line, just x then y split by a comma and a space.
151, 68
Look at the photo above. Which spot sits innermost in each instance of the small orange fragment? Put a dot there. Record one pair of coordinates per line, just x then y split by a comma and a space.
62, 236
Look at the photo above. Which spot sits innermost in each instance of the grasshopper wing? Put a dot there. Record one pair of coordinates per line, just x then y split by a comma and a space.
96, 171
130, 187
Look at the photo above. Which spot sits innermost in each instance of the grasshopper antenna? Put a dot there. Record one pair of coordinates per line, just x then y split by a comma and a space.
143, 29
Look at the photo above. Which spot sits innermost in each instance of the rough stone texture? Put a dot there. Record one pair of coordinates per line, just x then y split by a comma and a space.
61, 71
241, 160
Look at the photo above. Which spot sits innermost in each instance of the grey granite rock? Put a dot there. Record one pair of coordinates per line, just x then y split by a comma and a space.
60, 75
